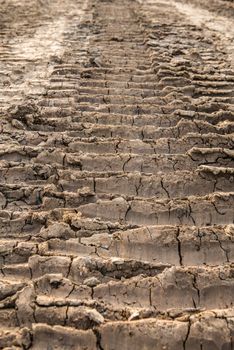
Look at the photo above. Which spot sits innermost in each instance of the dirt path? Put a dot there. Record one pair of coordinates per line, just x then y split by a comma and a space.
116, 175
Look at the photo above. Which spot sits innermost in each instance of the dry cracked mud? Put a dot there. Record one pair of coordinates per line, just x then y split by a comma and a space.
116, 175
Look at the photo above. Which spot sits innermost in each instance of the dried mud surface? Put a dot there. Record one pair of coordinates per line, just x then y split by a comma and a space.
116, 175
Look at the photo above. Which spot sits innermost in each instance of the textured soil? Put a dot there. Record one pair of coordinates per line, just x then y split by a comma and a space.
117, 175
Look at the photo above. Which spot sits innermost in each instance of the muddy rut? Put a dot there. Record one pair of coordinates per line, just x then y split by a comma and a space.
116, 175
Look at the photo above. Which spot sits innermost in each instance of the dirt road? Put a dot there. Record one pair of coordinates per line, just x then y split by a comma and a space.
116, 175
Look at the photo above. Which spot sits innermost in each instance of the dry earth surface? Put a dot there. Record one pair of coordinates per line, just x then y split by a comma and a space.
116, 175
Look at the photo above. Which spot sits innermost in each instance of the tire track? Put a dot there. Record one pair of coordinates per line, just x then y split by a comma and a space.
116, 220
